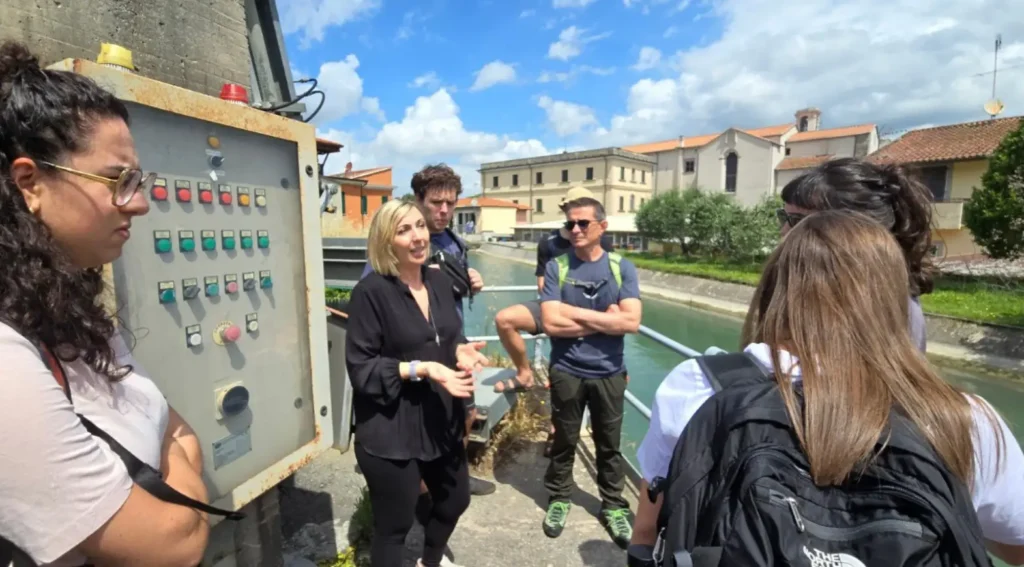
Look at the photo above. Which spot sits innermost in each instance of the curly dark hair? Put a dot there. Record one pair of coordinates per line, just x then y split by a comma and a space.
889, 194
438, 176
46, 116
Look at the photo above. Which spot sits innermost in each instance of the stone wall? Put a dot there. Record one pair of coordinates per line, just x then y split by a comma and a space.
195, 44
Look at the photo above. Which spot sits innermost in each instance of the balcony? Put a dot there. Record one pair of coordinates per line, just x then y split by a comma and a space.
948, 215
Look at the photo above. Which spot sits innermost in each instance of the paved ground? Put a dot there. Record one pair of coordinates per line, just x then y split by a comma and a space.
503, 528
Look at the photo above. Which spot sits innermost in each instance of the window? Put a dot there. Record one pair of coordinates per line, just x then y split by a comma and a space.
590, 174
632, 175
540, 205
494, 182
689, 166
516, 201
515, 180
803, 124
383, 199
622, 203
341, 196
632, 203
540, 178
622, 174
643, 177
363, 205
934, 178
642, 202
788, 150
938, 249
731, 165
565, 176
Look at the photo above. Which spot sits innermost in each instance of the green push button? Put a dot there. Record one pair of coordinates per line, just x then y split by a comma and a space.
229, 242
163, 245
264, 242
167, 296
209, 244
188, 244
212, 290
246, 242
266, 282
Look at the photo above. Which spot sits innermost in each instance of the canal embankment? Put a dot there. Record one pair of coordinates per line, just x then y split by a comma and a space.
991, 346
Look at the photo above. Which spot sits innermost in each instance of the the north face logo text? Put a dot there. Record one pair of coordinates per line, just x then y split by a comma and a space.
819, 558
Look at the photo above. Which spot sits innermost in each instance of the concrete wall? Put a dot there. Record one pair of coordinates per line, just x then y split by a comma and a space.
755, 176
195, 44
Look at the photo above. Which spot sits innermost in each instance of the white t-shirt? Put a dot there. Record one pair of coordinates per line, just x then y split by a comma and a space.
998, 495
58, 483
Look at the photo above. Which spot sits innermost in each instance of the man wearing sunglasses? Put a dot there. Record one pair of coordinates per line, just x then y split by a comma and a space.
590, 301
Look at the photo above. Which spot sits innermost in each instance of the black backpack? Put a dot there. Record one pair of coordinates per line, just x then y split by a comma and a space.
456, 268
739, 491
144, 475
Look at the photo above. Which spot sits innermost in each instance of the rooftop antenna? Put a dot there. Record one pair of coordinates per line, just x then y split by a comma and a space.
994, 106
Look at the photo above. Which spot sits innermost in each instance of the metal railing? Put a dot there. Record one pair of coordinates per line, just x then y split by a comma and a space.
648, 332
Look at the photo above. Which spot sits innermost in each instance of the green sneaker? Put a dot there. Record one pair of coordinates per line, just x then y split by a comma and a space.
619, 523
554, 520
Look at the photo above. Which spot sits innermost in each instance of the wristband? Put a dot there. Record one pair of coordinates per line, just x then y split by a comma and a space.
413, 377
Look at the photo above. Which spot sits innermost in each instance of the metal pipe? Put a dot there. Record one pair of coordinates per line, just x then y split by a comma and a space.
635, 402
667, 342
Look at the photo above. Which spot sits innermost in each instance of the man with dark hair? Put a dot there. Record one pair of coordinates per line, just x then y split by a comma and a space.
436, 188
590, 300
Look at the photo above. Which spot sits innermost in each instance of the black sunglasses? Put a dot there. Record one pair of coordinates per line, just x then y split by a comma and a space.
584, 224
791, 218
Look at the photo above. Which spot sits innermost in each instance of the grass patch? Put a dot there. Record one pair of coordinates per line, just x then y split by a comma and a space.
335, 295
360, 533
986, 299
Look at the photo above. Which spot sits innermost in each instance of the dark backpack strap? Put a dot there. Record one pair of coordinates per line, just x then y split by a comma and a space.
732, 369
148, 478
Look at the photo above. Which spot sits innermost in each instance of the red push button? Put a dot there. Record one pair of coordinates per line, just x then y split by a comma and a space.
232, 287
225, 198
231, 334
184, 194
206, 196
159, 193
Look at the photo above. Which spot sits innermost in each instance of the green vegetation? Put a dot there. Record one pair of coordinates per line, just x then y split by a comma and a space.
335, 296
995, 212
984, 299
360, 533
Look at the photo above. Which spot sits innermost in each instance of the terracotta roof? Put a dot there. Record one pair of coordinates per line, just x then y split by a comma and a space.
769, 131
653, 147
832, 133
802, 162
358, 173
968, 140
489, 202
325, 146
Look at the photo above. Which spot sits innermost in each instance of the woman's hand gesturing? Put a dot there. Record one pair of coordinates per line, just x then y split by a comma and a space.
458, 383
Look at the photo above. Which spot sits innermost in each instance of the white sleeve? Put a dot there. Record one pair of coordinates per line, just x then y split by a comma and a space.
59, 484
998, 492
679, 396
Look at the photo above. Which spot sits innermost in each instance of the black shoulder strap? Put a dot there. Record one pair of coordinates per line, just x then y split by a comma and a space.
148, 478
732, 369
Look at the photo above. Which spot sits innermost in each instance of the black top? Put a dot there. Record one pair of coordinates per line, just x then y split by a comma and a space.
395, 418
554, 246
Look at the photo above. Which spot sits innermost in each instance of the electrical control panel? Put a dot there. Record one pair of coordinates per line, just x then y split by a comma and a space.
220, 287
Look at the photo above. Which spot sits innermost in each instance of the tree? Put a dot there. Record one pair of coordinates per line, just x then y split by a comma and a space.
665, 217
995, 212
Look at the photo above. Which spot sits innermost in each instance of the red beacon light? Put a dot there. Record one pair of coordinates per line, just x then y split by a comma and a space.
235, 94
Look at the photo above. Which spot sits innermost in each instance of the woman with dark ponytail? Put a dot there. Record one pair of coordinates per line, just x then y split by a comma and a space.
886, 193
70, 185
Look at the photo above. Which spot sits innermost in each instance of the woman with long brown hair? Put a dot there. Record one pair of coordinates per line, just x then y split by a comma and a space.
835, 291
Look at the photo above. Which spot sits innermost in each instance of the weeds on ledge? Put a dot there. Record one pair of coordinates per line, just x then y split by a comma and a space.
360, 534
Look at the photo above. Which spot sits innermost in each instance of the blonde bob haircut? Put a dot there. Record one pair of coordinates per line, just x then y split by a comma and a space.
383, 228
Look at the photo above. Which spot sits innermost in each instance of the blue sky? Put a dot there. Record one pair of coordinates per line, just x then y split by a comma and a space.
466, 81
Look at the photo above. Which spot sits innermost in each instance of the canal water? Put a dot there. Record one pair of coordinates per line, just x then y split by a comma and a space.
648, 361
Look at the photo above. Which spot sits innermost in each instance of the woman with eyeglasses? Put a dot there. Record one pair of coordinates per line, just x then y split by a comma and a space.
886, 193
70, 186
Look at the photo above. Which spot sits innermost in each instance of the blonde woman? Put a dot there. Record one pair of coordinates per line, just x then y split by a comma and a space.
411, 369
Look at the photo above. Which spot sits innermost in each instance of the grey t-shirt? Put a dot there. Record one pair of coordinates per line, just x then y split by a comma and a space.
589, 285
918, 328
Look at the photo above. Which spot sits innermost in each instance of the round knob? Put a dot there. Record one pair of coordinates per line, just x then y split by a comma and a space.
229, 243
243, 200
190, 292
266, 282
232, 287
188, 245
225, 198
234, 401
159, 193
253, 326
209, 244
184, 195
217, 161
206, 196
195, 339
211, 289
264, 241
261, 201
167, 296
163, 245
246, 242
230, 334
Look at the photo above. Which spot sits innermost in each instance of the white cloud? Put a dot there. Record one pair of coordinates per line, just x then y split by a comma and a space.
527, 13
343, 88
567, 118
570, 43
573, 73
648, 59
645, 5
429, 132
312, 17
371, 106
493, 73
918, 64
570, 3
670, 31
428, 80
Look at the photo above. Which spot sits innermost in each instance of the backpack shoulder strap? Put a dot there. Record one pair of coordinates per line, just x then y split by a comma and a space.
563, 269
732, 369
141, 473
615, 263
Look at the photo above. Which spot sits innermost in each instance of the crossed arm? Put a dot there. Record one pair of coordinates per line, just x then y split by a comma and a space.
562, 320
